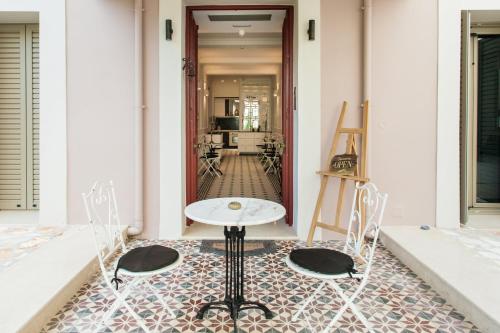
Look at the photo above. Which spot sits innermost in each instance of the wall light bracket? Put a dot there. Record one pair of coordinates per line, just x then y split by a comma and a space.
168, 30
311, 32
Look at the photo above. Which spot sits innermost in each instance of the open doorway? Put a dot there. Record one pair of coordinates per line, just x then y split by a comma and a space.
239, 117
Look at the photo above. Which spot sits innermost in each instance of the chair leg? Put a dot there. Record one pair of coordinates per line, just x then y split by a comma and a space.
307, 301
121, 300
202, 167
114, 307
349, 303
213, 168
158, 296
136, 316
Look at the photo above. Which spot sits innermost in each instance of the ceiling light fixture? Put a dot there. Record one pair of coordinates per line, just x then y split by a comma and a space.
241, 32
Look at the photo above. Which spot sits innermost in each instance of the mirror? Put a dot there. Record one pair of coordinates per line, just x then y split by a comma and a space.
226, 106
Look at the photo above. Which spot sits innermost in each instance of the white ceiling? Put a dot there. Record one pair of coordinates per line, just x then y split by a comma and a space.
242, 69
233, 40
485, 16
249, 55
222, 51
206, 26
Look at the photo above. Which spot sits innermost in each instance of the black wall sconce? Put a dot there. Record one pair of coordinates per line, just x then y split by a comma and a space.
168, 30
311, 31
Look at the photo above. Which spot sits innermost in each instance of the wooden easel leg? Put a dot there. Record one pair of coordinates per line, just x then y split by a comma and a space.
317, 209
340, 202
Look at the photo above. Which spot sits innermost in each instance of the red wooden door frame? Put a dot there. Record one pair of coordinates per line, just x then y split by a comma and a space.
191, 75
191, 52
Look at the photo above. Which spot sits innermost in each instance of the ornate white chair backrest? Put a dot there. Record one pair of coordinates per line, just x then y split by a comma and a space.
102, 212
367, 209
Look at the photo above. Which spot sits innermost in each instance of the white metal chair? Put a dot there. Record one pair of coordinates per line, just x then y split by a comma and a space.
330, 265
210, 161
273, 158
139, 264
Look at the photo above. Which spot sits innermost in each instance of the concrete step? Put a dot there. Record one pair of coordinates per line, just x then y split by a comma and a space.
456, 265
36, 287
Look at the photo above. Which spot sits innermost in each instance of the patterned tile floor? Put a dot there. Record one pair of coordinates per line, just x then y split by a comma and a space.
395, 299
243, 175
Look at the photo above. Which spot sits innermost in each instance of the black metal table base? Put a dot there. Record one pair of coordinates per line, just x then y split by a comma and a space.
234, 301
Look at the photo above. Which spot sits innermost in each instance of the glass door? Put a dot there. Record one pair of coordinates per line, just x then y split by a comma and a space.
486, 121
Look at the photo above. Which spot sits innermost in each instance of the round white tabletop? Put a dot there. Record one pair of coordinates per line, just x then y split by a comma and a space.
252, 212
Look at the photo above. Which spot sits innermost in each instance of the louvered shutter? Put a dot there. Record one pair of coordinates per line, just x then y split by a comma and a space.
12, 117
33, 116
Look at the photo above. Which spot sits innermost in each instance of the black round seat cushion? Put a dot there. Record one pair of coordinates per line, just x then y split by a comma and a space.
148, 258
323, 261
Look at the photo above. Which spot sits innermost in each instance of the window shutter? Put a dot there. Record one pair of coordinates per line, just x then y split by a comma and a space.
33, 115
12, 117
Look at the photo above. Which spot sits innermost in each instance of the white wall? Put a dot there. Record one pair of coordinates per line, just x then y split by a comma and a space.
448, 123
151, 120
172, 122
53, 182
308, 115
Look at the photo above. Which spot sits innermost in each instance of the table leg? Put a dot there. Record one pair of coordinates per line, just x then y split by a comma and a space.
234, 300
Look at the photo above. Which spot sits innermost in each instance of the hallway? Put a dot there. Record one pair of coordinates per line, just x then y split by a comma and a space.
242, 176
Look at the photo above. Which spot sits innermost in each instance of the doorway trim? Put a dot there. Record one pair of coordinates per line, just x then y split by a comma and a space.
287, 103
472, 119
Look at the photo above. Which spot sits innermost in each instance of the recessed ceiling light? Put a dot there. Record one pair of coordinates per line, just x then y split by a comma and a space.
241, 32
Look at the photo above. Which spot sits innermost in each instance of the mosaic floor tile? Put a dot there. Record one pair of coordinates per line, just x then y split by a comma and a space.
395, 300
242, 175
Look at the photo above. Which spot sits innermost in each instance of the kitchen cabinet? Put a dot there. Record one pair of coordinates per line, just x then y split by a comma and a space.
248, 141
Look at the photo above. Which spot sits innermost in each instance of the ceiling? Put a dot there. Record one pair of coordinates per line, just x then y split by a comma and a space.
237, 61
223, 51
247, 55
242, 69
234, 20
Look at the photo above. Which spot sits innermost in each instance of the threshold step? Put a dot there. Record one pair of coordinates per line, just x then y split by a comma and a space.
459, 264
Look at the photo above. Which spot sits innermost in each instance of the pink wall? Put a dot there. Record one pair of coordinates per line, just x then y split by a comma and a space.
100, 41
404, 97
100, 77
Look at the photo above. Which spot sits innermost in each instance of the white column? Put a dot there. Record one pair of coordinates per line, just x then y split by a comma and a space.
53, 140
138, 222
172, 122
307, 116
448, 117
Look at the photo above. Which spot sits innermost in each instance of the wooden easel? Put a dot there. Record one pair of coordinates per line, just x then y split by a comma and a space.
359, 174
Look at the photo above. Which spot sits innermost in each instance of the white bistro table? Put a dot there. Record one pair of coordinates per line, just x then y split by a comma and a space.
252, 212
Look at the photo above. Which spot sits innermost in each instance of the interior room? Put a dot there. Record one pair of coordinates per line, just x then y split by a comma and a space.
240, 139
